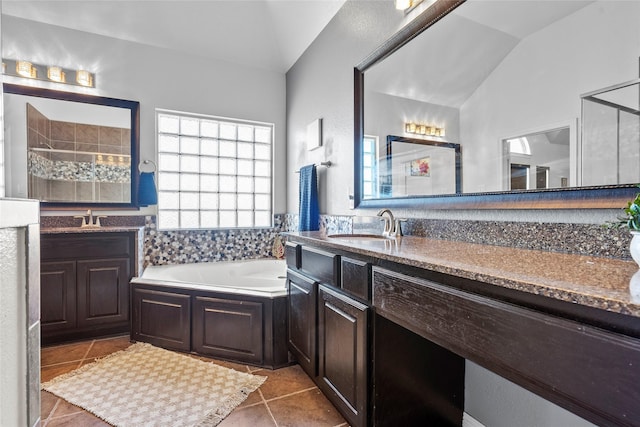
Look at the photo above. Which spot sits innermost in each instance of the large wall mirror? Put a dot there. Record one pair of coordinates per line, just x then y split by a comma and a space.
71, 150
542, 97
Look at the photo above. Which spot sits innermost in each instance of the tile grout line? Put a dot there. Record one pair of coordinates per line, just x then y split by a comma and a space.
87, 353
53, 410
290, 394
268, 408
60, 363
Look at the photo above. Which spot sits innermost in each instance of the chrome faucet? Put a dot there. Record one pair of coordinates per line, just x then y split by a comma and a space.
87, 219
389, 222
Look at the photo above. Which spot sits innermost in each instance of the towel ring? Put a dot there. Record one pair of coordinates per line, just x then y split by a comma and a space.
146, 162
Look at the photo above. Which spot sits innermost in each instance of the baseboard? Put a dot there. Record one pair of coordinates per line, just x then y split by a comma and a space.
469, 421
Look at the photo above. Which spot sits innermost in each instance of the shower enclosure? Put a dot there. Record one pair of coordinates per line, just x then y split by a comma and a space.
610, 149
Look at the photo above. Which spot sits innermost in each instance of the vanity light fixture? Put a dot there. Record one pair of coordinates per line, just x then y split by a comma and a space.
422, 129
56, 74
406, 5
402, 4
49, 73
26, 69
84, 78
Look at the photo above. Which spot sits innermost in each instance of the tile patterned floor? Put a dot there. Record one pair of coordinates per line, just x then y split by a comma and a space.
287, 398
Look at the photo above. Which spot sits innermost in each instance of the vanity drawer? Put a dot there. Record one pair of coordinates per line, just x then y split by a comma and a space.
86, 245
322, 266
589, 370
292, 255
356, 277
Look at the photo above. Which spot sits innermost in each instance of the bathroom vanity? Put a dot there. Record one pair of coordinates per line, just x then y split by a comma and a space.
84, 281
384, 326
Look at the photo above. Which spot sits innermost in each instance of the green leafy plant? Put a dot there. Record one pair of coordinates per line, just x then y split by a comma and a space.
631, 218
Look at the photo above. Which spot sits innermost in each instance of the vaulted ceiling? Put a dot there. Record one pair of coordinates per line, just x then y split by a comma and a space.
267, 34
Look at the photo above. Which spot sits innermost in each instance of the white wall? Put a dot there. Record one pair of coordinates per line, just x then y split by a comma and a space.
320, 84
157, 79
549, 56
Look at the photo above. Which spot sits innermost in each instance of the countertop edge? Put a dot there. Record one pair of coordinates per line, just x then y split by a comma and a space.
613, 303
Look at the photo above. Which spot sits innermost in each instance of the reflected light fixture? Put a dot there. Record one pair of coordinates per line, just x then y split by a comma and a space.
84, 78
402, 4
26, 69
406, 5
56, 74
422, 129
49, 73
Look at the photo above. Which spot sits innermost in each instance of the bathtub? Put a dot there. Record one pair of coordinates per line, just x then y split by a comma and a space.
233, 310
259, 277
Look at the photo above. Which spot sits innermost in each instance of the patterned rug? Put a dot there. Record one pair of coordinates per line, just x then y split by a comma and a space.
148, 386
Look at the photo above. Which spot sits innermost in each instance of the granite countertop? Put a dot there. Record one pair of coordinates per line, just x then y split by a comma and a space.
104, 229
586, 280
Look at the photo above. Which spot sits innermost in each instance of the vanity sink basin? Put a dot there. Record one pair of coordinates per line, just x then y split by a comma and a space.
357, 236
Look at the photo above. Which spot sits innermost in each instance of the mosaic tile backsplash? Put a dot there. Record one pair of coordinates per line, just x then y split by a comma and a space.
190, 246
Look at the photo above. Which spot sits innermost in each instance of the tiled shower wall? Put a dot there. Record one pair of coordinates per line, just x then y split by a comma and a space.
57, 175
189, 246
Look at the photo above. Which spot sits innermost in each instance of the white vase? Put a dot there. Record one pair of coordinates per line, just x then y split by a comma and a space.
634, 287
634, 247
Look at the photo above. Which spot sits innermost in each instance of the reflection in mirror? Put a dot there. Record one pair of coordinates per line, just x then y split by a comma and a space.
611, 135
76, 151
419, 167
499, 75
538, 160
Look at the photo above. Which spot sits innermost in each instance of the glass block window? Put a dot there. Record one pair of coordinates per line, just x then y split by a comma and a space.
213, 172
370, 167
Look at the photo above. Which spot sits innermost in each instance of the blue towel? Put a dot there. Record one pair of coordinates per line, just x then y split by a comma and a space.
147, 194
309, 218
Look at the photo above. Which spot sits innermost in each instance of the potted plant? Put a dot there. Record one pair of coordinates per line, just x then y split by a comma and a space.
631, 220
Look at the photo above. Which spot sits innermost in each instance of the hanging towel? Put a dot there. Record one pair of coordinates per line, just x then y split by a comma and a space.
147, 194
309, 218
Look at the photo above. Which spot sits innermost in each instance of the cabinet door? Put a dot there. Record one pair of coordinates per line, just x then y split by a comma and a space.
57, 296
228, 329
302, 320
161, 318
103, 291
343, 353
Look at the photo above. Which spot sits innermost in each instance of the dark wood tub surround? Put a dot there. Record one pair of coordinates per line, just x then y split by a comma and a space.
562, 326
239, 328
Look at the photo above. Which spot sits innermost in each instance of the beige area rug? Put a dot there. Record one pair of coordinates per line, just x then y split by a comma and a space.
149, 386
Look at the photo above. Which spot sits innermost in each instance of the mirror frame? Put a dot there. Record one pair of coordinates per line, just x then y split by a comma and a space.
134, 108
596, 197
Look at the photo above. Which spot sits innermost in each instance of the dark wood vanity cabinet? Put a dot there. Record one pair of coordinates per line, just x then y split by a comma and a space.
57, 297
343, 328
588, 370
84, 284
328, 329
302, 321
